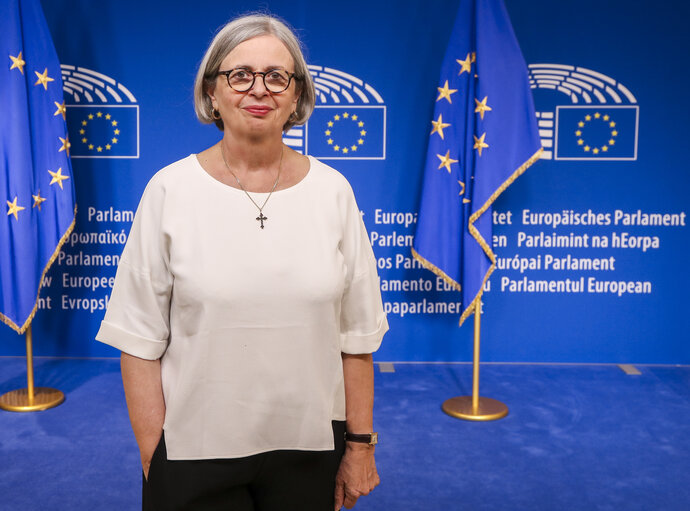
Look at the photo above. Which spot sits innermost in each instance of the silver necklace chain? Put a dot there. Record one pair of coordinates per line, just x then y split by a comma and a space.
261, 216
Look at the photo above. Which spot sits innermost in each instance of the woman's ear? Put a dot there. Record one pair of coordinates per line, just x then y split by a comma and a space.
210, 92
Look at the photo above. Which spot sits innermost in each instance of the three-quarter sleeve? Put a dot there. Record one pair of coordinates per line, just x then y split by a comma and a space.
137, 318
363, 321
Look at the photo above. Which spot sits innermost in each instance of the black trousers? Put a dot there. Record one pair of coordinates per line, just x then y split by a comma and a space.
273, 481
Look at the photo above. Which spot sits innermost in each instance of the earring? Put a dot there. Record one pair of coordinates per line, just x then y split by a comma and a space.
215, 113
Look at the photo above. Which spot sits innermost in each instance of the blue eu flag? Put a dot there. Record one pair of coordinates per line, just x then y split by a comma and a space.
353, 132
105, 131
602, 132
483, 136
36, 187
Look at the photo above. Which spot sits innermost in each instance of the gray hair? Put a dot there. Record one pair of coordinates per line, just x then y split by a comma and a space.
230, 36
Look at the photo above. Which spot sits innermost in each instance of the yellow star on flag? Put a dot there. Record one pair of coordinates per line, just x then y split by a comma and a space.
18, 62
43, 78
57, 177
439, 125
482, 107
446, 161
466, 65
462, 187
38, 200
65, 144
445, 92
13, 208
61, 109
479, 143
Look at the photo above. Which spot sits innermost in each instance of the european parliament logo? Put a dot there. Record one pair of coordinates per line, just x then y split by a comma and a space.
600, 121
103, 117
348, 122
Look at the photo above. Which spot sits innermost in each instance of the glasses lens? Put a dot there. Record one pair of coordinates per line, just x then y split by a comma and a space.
277, 81
241, 80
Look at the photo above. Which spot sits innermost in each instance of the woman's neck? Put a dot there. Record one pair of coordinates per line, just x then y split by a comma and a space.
252, 153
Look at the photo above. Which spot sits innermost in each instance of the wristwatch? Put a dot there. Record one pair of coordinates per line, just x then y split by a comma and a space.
369, 438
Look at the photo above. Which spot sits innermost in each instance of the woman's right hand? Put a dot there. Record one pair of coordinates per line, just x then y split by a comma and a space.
147, 455
144, 392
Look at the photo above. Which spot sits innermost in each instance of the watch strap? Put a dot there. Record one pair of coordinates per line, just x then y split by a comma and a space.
368, 438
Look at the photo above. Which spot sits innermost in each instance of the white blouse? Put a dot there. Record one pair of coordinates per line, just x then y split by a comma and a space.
249, 323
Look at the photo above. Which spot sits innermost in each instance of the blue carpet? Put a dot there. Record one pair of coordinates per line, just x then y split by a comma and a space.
577, 438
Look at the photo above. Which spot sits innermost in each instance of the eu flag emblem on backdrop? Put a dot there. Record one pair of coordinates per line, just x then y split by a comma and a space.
599, 132
347, 132
105, 131
483, 136
36, 187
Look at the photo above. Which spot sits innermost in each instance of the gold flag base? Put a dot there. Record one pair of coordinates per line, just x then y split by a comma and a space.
475, 408
30, 399
487, 410
20, 401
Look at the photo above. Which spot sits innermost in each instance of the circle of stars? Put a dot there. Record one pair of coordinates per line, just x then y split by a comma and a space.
113, 124
361, 132
597, 117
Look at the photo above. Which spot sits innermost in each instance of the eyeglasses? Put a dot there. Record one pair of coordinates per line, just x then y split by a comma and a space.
241, 79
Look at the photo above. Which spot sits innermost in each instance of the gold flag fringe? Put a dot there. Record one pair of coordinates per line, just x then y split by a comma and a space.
21, 329
438, 271
469, 310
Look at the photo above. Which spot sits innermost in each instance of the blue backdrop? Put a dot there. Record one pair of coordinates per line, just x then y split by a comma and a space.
591, 241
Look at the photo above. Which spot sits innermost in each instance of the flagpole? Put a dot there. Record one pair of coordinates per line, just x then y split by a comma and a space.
30, 399
475, 408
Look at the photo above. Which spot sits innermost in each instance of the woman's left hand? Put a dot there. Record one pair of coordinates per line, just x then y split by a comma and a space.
356, 476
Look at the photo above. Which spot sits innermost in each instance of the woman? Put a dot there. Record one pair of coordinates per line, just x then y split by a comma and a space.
246, 304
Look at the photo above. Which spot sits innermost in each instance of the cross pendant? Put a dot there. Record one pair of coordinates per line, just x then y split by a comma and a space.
261, 218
